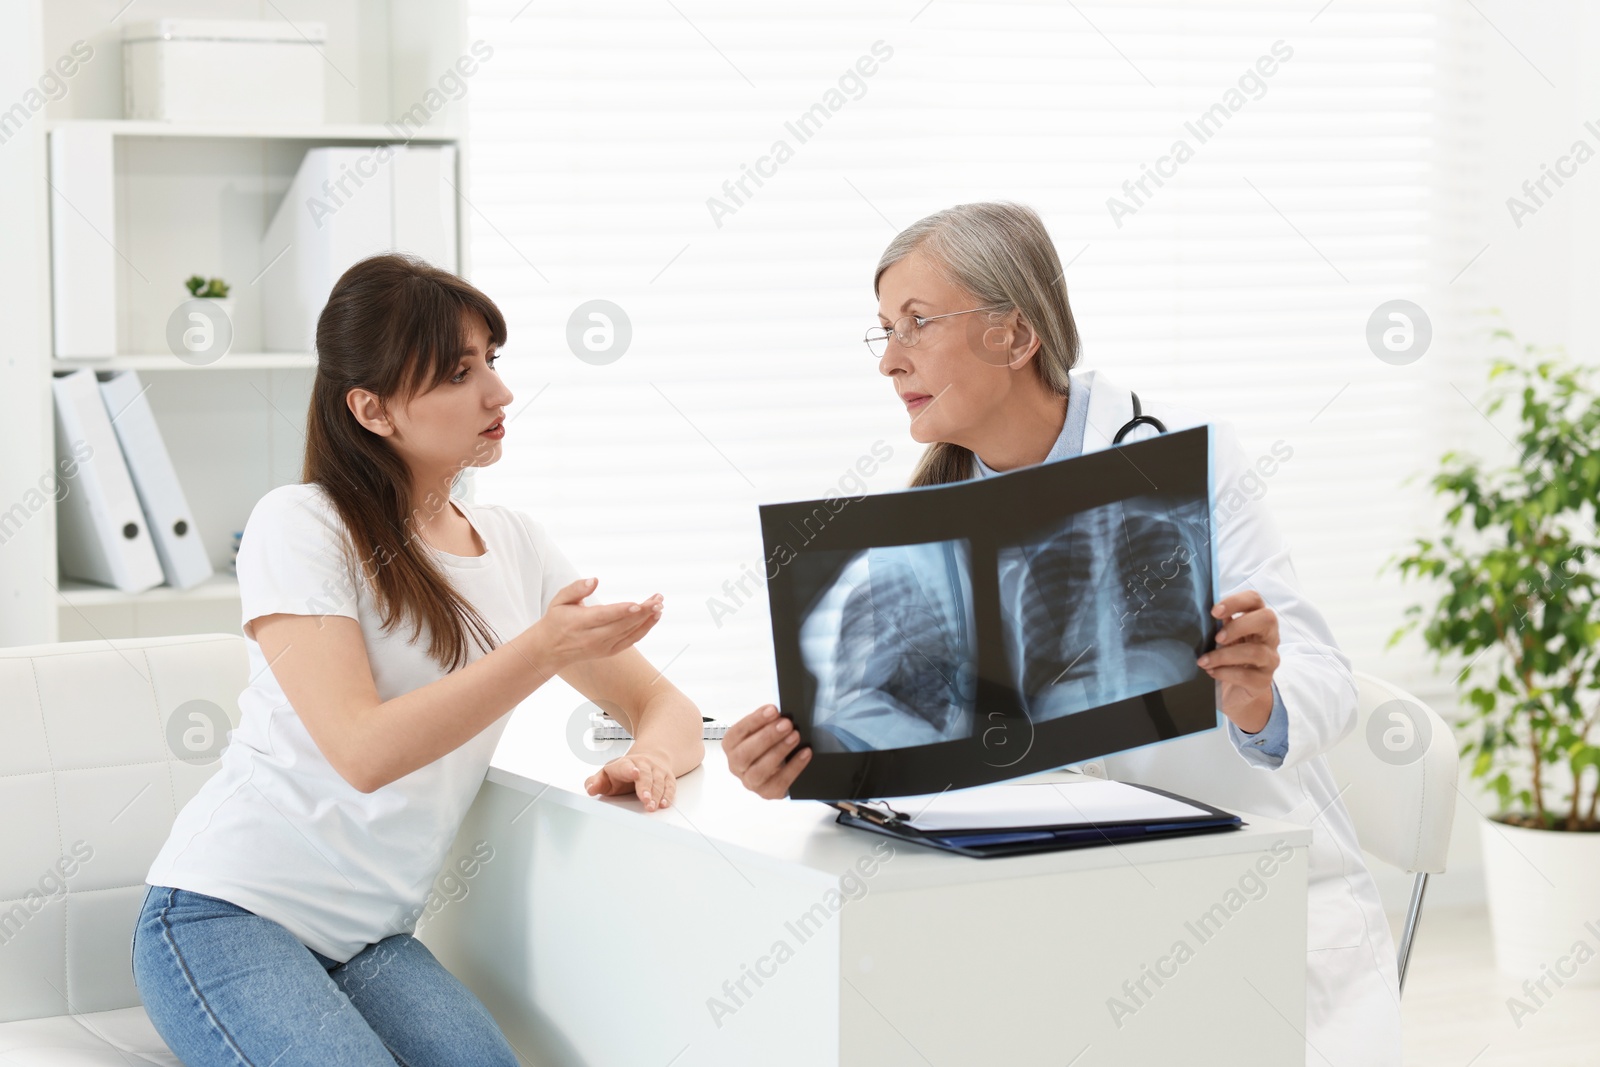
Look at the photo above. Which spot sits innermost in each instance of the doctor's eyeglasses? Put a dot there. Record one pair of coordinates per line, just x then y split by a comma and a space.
908, 331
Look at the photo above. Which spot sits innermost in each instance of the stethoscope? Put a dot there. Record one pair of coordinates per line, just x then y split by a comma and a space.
1138, 417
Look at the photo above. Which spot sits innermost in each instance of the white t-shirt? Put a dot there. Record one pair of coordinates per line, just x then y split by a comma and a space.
277, 830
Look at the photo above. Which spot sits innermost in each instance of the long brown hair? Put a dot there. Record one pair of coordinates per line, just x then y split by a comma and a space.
393, 325
1002, 255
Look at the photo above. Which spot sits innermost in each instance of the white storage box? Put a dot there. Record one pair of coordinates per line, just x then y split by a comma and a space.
223, 70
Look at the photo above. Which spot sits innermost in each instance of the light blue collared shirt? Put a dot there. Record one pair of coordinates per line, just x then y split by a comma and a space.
1267, 748
1264, 749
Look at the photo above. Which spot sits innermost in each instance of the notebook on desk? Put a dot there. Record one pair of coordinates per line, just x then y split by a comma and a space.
1015, 818
608, 729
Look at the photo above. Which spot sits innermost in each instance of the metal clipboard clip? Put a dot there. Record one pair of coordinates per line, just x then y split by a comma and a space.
881, 815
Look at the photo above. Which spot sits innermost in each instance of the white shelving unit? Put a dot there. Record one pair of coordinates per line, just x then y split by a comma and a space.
186, 199
165, 361
326, 133
84, 595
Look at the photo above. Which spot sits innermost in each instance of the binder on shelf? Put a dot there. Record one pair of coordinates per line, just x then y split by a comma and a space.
83, 264
166, 508
347, 203
101, 532
424, 191
1015, 818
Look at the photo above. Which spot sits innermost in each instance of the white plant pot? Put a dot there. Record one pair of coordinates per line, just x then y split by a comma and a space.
1544, 912
226, 303
202, 337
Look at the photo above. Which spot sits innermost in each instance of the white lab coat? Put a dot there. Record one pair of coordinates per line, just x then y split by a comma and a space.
1352, 989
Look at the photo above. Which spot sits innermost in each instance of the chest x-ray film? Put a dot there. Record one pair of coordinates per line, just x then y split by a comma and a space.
957, 635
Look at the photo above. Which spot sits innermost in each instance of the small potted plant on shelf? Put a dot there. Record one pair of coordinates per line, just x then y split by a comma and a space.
1518, 557
211, 289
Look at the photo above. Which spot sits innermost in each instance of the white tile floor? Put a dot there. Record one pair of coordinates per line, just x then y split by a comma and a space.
1454, 1008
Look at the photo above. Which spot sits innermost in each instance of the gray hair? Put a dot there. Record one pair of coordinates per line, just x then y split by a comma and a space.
1001, 253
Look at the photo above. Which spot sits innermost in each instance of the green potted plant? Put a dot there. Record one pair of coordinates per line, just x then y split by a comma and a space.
211, 289
1518, 561
207, 288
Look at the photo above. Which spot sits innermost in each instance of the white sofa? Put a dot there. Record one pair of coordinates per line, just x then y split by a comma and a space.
91, 785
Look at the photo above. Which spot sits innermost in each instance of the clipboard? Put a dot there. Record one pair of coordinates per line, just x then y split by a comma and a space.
991, 841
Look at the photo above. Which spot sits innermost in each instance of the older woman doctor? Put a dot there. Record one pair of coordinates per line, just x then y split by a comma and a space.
978, 342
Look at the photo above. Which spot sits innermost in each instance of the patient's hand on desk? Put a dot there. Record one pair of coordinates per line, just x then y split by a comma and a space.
757, 747
644, 773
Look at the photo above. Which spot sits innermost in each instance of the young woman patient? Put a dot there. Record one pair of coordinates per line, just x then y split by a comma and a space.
390, 632
978, 342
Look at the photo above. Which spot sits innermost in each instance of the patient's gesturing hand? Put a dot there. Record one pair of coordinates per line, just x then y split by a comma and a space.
571, 631
757, 747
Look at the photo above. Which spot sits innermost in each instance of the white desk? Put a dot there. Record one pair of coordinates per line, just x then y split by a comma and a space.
598, 934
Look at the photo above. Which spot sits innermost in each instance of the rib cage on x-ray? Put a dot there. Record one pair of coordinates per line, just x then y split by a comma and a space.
1099, 609
891, 647
1107, 604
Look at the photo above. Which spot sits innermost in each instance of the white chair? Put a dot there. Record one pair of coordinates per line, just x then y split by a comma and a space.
1396, 773
91, 785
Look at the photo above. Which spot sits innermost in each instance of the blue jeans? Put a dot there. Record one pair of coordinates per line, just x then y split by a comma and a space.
225, 986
